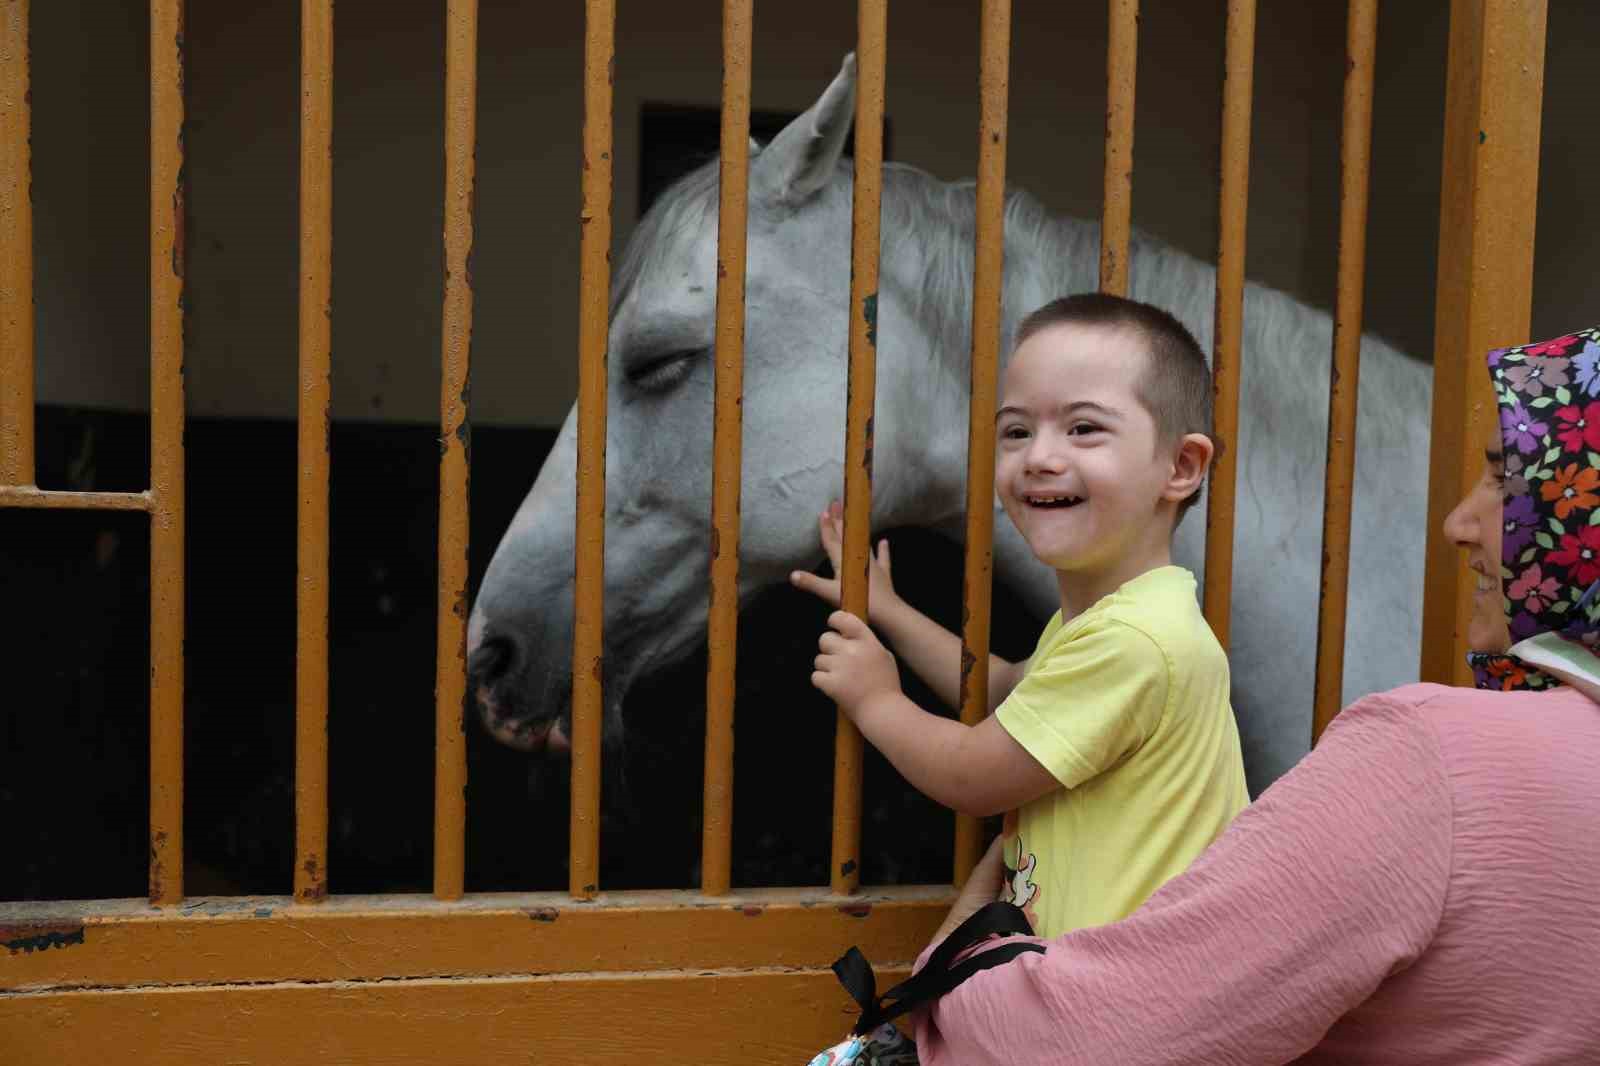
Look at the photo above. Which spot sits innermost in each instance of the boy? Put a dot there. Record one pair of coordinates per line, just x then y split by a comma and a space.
1115, 742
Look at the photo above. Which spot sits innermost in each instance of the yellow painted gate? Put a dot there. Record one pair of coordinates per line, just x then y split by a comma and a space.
723, 975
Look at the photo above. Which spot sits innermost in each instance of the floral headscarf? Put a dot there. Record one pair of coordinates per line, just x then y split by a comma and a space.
1549, 399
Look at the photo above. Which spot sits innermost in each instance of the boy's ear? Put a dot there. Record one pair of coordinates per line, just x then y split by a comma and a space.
1190, 461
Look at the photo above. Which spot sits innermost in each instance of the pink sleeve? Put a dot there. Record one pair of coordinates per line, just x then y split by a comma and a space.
1332, 880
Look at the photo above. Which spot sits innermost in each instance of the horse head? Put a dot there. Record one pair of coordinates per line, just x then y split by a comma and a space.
661, 358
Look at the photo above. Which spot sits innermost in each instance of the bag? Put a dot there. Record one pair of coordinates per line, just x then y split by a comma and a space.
875, 1041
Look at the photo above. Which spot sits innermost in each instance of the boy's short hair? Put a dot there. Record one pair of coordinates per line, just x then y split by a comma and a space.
1176, 384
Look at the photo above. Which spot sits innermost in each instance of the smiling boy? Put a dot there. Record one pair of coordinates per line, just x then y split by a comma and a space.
1114, 742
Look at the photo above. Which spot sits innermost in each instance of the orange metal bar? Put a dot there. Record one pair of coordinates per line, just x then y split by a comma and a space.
166, 451
450, 671
1344, 381
316, 311
1239, 76
994, 81
26, 496
594, 256
1122, 61
1488, 205
16, 250
727, 449
871, 48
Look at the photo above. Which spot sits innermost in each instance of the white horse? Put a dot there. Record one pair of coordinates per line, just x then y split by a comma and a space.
658, 443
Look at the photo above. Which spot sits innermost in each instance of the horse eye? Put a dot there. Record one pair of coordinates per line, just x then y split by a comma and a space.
661, 372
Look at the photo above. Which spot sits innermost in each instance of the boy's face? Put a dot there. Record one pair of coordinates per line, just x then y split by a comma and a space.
1076, 463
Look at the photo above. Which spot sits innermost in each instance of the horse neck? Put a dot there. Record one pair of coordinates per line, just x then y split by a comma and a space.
929, 260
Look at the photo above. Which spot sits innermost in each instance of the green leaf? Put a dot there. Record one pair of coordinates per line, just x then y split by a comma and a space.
1561, 607
1594, 518
1541, 402
1556, 527
1529, 553
1563, 396
1544, 541
1552, 455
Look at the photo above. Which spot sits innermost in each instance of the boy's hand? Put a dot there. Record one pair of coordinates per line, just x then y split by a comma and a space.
880, 585
853, 668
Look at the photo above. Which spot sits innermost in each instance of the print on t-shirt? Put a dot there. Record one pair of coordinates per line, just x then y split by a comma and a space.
1019, 887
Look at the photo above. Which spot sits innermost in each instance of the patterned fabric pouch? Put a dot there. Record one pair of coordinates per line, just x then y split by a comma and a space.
875, 1041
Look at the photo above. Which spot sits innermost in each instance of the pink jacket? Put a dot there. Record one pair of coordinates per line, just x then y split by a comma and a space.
1423, 888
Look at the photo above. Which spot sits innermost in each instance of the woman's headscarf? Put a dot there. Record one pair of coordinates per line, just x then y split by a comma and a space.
1549, 400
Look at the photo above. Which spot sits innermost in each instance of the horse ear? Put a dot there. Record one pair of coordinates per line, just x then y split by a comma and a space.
801, 158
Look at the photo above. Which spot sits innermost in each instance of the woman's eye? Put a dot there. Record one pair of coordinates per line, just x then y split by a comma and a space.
1013, 433
1078, 429
662, 372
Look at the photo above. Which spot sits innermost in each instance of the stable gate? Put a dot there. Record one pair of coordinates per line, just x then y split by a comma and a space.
722, 975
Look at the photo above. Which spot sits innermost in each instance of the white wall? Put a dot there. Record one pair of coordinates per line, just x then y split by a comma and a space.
91, 189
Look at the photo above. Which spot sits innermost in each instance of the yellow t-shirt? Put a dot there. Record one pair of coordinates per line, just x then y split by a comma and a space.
1127, 706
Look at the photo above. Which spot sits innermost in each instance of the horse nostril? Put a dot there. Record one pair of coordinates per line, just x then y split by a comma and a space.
491, 661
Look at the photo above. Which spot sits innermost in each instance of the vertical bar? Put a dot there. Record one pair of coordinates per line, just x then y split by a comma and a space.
316, 309
871, 47
166, 451
1238, 79
1488, 204
994, 84
726, 452
595, 284
16, 250
450, 684
1355, 153
1122, 61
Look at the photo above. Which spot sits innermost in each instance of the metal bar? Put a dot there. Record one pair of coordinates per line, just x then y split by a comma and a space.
1355, 154
1238, 75
1116, 211
994, 82
25, 496
166, 451
871, 46
450, 670
316, 311
727, 450
16, 258
1488, 205
594, 257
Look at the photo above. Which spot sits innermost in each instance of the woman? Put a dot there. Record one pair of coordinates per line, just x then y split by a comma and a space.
1425, 886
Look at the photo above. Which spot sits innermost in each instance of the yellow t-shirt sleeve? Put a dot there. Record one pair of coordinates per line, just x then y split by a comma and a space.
1089, 702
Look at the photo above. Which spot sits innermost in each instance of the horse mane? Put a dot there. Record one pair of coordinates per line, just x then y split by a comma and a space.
928, 228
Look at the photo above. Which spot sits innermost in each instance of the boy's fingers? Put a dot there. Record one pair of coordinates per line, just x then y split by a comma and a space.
846, 623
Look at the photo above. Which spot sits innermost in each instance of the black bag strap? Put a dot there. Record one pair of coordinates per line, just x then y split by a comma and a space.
938, 977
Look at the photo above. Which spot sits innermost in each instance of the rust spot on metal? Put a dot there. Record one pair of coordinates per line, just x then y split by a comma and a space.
595, 669
722, 271
716, 543
869, 312
847, 867
856, 910
543, 914
316, 888
995, 137
24, 938
753, 911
